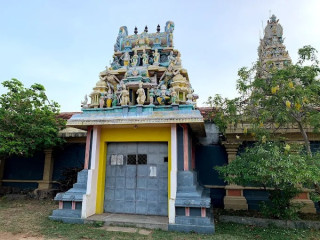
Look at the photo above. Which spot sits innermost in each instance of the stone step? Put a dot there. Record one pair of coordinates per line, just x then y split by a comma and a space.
68, 213
193, 220
191, 228
132, 220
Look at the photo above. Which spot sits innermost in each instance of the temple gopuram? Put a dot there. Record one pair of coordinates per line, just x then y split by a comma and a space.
146, 153
142, 125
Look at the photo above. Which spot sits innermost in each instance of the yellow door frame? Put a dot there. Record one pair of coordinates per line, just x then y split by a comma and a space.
140, 134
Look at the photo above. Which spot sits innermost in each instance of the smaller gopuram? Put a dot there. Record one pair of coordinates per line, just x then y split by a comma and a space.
146, 70
142, 126
272, 52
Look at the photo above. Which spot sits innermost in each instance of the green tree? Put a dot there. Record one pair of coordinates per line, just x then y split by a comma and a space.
28, 120
270, 101
272, 166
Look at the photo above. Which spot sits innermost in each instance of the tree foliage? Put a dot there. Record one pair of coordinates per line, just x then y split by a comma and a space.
281, 171
271, 101
29, 121
286, 98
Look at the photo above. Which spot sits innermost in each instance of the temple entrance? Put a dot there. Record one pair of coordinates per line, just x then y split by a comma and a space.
137, 178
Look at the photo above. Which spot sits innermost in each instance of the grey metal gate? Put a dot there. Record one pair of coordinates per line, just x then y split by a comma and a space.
137, 178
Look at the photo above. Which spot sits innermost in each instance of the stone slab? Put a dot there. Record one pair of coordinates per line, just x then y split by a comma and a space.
271, 222
134, 220
120, 229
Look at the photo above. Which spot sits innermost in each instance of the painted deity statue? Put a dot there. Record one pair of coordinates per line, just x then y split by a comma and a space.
163, 95
126, 59
156, 57
169, 30
115, 100
85, 102
134, 59
141, 95
123, 32
124, 96
151, 96
145, 58
178, 59
171, 58
109, 98
173, 96
167, 76
190, 96
101, 101
115, 64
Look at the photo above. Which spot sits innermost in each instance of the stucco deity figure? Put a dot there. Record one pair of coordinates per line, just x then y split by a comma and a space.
156, 57
173, 96
126, 59
115, 64
167, 76
134, 59
169, 30
110, 78
109, 98
151, 96
178, 59
145, 58
115, 100
163, 95
171, 58
141, 95
123, 32
124, 96
189, 96
84, 103
101, 101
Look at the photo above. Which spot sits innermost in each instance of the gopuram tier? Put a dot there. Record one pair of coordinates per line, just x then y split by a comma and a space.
146, 70
272, 52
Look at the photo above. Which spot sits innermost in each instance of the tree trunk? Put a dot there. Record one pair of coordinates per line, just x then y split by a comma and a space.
305, 138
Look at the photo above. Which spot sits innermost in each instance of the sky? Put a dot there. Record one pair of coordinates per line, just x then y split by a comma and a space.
65, 44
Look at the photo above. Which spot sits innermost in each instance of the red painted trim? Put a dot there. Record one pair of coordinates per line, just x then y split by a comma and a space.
185, 148
203, 212
60, 205
187, 210
86, 159
73, 205
303, 195
234, 192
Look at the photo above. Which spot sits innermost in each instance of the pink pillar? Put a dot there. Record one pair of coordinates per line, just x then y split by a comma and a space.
86, 159
187, 209
185, 148
203, 212
73, 205
60, 205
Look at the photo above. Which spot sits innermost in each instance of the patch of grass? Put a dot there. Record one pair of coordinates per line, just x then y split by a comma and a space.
31, 216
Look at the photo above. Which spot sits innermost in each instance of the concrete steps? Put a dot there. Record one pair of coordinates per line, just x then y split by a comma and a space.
133, 220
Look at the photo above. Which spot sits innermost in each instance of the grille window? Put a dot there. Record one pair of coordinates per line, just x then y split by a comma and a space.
142, 159
131, 159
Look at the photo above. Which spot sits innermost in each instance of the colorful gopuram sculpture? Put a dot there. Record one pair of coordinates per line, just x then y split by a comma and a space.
272, 52
146, 70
